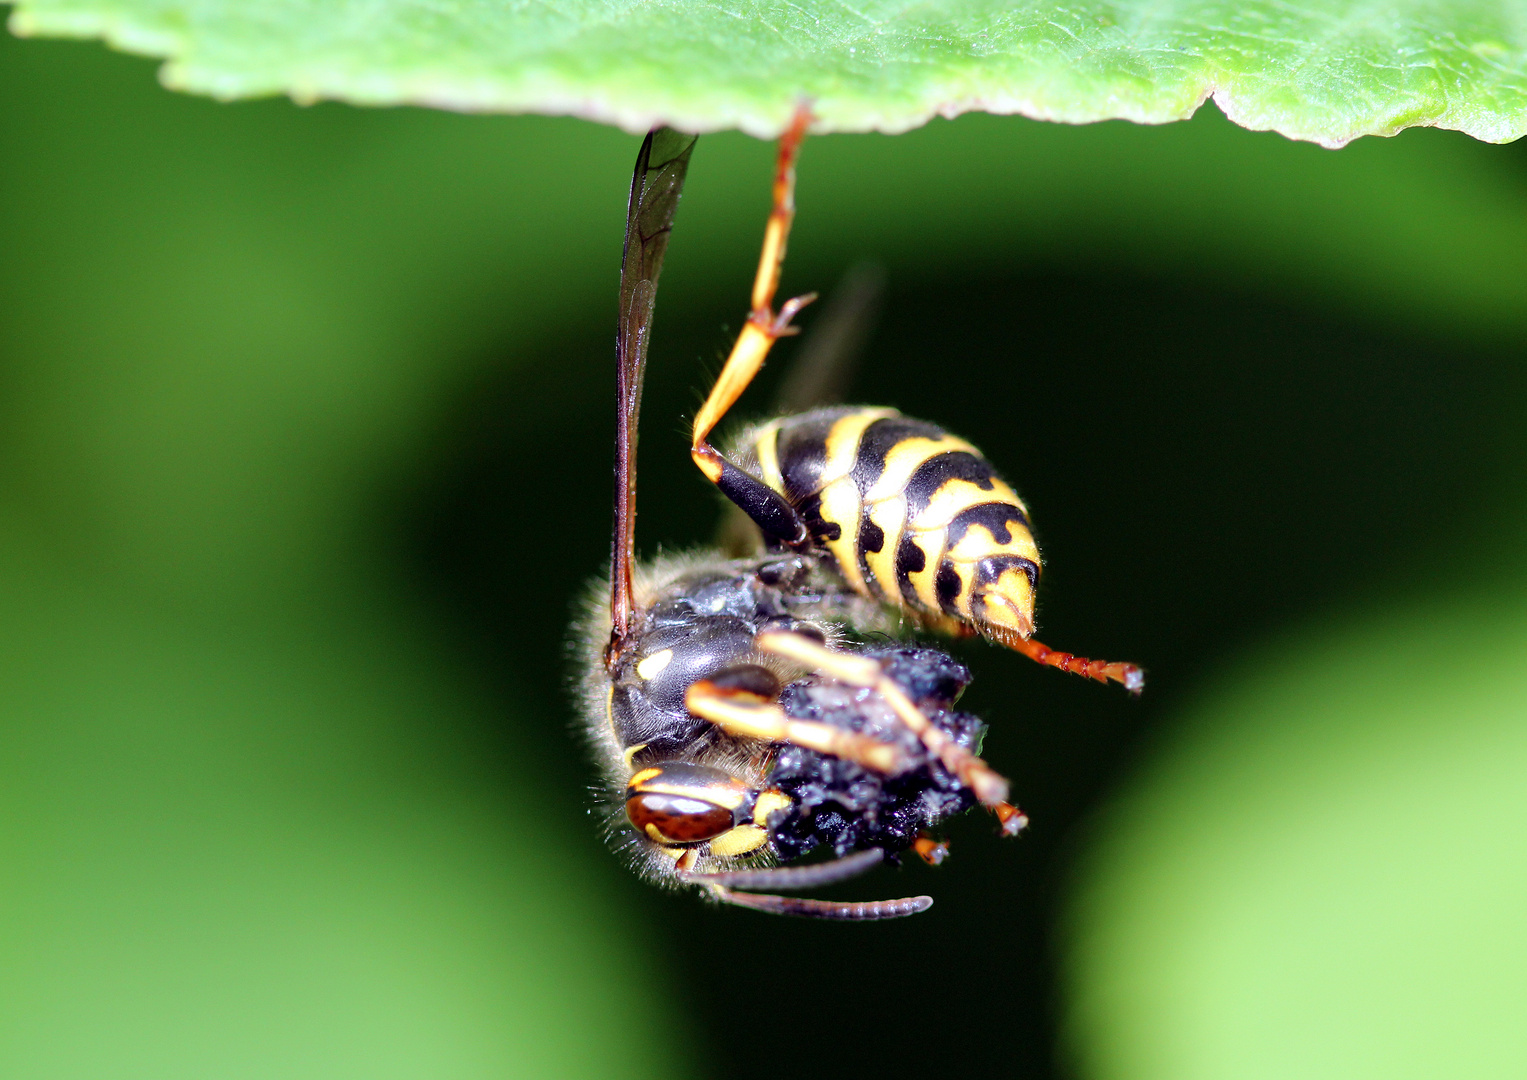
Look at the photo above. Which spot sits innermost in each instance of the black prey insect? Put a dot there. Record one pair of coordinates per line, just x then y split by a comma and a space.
740, 713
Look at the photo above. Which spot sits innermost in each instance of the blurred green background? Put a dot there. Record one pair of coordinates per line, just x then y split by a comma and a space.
304, 456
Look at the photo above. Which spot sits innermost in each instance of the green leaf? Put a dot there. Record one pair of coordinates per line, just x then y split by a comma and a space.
1326, 72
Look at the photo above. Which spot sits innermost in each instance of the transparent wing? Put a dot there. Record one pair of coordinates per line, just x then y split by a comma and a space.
828, 358
656, 186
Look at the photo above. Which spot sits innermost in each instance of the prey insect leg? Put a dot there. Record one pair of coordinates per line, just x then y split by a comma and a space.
773, 514
988, 785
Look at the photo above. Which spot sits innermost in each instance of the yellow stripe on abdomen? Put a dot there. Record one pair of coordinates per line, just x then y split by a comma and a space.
766, 446
840, 507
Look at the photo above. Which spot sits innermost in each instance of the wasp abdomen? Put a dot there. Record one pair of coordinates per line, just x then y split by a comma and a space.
912, 515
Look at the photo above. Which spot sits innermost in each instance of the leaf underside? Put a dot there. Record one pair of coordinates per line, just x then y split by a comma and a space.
1326, 72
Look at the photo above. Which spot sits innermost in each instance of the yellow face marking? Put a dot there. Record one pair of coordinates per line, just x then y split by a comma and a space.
643, 776
768, 802
739, 841
903, 459
649, 666
631, 752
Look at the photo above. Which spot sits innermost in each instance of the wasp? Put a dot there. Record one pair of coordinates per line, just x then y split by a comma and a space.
746, 711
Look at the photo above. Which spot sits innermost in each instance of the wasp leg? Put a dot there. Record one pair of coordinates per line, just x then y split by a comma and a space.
1011, 819
767, 507
989, 786
931, 851
1129, 675
740, 713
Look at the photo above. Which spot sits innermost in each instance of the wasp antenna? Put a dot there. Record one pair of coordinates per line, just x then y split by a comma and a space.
792, 877
838, 911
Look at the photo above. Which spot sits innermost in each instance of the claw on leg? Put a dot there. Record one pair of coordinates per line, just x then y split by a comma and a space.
1011, 819
931, 851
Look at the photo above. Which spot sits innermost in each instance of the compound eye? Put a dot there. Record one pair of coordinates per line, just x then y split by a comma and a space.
679, 803
673, 819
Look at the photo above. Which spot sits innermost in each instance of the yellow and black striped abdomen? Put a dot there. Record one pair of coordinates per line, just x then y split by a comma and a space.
912, 515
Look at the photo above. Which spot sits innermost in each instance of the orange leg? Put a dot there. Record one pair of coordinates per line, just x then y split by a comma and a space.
1129, 675
931, 851
1012, 820
762, 329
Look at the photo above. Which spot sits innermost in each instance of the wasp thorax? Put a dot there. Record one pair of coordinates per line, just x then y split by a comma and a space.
680, 803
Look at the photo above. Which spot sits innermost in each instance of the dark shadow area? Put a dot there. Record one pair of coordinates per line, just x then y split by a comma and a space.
1202, 468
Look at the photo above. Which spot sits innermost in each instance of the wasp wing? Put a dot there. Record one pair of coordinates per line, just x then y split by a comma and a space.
828, 357
655, 189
